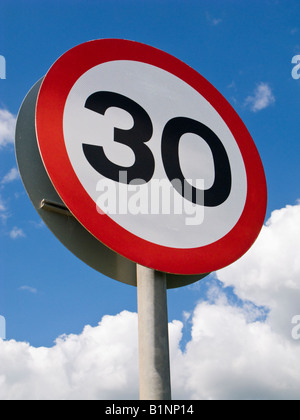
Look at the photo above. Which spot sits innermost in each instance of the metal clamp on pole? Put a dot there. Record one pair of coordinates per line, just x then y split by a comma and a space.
154, 360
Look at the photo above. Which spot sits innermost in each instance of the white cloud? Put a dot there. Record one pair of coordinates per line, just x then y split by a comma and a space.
16, 233
29, 289
3, 211
7, 128
213, 20
11, 176
269, 274
235, 350
100, 363
231, 358
261, 99
2, 205
216, 21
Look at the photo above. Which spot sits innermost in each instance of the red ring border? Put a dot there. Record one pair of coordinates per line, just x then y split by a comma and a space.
49, 129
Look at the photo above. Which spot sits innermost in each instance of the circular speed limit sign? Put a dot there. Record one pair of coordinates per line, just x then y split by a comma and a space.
149, 157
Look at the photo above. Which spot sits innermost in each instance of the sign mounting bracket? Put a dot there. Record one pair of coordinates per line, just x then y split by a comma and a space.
55, 207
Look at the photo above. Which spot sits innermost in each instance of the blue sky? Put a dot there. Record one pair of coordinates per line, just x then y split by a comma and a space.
244, 48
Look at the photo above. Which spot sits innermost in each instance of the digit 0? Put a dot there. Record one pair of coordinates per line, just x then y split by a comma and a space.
172, 134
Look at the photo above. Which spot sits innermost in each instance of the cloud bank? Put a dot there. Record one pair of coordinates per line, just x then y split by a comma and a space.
240, 347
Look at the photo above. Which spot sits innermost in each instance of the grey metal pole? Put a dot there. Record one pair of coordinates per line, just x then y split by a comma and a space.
154, 361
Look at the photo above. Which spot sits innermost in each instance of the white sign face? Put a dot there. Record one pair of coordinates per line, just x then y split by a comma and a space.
163, 96
150, 158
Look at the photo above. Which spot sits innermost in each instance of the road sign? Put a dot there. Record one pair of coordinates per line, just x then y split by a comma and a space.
149, 157
62, 224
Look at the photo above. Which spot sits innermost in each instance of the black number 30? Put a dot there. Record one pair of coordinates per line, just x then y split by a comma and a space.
136, 138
